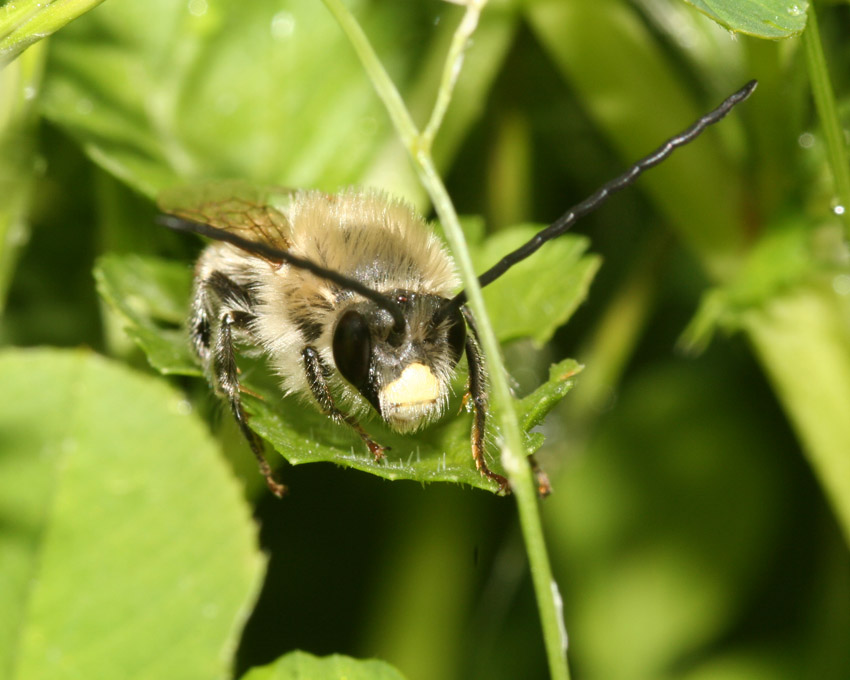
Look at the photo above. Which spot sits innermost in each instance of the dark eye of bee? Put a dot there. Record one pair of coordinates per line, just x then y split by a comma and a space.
457, 334
352, 349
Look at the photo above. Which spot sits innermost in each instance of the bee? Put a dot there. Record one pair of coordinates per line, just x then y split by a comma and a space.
351, 297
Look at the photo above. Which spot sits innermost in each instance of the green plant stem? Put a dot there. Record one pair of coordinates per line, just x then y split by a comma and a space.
451, 69
828, 114
513, 458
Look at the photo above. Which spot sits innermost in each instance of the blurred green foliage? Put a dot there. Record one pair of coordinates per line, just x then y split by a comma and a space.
700, 519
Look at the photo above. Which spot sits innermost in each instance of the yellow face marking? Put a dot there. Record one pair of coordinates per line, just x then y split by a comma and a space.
415, 386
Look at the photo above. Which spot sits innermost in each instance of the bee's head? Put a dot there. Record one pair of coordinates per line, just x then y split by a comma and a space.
404, 373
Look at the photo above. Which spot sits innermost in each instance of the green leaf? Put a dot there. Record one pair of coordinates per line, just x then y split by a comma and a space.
547, 300
441, 453
25, 22
781, 260
126, 548
304, 666
536, 406
761, 18
297, 430
150, 295
159, 92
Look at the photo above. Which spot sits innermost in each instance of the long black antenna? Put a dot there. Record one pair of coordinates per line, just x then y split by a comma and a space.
602, 194
276, 255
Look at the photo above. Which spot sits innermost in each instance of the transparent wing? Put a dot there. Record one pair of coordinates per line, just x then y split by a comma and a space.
234, 206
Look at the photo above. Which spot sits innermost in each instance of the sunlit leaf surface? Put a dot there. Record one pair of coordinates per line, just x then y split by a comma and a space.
127, 549
761, 18
160, 92
301, 665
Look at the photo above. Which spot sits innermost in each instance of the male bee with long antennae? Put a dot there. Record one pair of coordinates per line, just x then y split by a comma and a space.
352, 300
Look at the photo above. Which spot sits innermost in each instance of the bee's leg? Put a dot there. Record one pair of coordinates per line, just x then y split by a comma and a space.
227, 380
200, 324
478, 384
317, 376
544, 487
214, 345
212, 297
478, 394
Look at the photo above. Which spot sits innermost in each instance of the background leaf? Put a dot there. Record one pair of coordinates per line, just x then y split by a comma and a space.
151, 298
523, 303
302, 665
155, 101
762, 18
120, 525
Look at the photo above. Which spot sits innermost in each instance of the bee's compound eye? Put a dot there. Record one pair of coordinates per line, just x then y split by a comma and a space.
352, 348
457, 334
